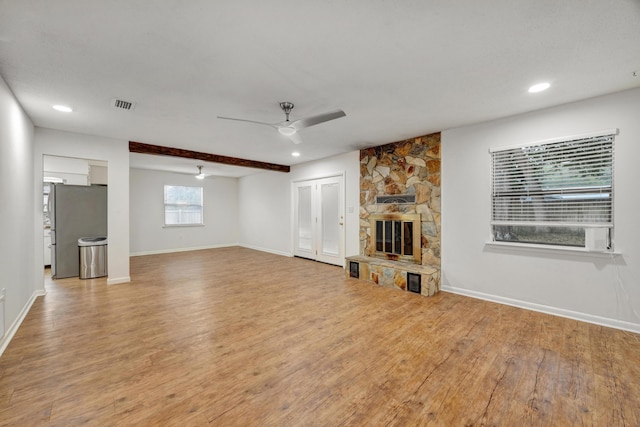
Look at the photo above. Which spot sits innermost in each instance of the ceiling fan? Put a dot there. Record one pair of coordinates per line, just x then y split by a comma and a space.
290, 128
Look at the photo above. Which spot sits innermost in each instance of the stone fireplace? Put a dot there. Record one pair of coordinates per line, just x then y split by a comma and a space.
400, 215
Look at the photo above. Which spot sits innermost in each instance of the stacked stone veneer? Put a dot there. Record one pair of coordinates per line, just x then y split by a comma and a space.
405, 167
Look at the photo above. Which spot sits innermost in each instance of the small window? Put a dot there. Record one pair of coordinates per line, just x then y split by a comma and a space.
554, 193
182, 205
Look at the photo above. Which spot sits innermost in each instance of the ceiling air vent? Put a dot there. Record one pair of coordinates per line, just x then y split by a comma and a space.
122, 105
400, 199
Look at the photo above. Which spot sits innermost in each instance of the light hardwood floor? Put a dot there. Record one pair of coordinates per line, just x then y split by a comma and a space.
235, 337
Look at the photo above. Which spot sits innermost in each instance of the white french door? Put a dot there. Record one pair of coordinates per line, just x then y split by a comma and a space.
319, 219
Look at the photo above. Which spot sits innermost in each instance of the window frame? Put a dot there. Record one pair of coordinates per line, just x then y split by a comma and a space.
185, 204
560, 194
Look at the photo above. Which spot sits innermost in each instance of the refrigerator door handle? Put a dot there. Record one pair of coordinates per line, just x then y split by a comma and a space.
53, 261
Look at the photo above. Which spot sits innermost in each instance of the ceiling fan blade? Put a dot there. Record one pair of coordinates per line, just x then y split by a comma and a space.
314, 120
244, 120
295, 138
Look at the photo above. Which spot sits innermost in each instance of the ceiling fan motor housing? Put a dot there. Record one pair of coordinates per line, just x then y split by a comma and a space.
286, 107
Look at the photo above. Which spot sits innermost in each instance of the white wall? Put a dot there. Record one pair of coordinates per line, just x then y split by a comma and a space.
596, 288
265, 211
17, 212
116, 154
148, 234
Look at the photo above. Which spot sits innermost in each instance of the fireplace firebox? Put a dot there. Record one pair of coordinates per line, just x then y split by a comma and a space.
396, 236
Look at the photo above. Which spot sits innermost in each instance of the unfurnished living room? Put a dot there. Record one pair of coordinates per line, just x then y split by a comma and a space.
319, 213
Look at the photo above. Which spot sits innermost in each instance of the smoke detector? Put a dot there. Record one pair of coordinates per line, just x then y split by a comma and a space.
121, 104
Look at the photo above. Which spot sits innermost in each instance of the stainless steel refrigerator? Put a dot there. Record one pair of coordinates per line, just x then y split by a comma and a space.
75, 211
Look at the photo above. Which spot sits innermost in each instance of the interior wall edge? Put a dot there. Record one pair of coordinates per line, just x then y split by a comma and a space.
11, 331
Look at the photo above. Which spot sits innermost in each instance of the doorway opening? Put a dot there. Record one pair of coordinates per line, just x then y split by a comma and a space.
88, 177
319, 224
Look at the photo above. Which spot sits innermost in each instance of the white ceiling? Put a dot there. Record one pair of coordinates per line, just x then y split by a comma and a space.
398, 68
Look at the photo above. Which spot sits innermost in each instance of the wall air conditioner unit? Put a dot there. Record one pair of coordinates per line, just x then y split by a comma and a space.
596, 239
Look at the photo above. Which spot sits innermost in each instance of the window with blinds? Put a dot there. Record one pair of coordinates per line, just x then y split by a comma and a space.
182, 205
557, 192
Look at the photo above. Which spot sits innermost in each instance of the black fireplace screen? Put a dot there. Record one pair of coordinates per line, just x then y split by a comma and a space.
394, 237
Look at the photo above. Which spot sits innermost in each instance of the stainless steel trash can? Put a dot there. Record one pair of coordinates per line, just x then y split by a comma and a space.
93, 257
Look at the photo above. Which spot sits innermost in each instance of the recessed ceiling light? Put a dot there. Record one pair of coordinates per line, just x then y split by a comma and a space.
539, 87
295, 154
62, 108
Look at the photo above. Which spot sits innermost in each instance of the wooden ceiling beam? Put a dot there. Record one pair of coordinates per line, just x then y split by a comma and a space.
139, 147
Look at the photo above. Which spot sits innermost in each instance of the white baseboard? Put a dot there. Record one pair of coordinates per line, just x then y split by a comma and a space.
271, 251
118, 280
6, 339
169, 251
589, 318
198, 248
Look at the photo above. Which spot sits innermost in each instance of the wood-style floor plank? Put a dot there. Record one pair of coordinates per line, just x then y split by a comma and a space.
236, 337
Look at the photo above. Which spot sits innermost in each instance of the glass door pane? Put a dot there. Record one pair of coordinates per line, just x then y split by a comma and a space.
330, 200
388, 235
397, 237
305, 219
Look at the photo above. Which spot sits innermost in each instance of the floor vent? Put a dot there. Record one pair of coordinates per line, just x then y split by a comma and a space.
413, 283
354, 269
122, 105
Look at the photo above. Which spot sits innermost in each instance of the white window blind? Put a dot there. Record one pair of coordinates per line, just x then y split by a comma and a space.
182, 205
563, 183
